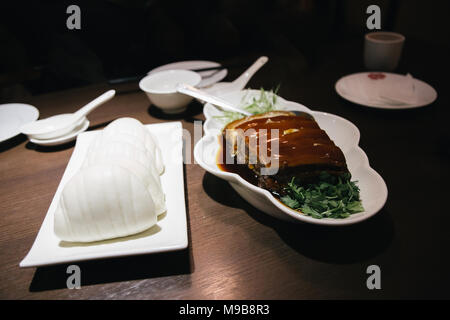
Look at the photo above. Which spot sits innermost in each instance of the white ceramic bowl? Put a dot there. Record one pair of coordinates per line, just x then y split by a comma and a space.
160, 88
344, 134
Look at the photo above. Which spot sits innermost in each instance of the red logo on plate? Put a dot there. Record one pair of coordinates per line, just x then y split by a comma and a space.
376, 76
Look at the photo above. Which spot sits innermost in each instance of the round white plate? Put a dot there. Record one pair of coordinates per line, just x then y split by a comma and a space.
64, 139
13, 116
344, 134
426, 94
208, 77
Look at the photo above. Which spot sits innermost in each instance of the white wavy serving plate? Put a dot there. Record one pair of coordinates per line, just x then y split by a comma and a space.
344, 134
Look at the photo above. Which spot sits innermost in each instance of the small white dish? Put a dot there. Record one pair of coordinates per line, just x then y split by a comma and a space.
13, 116
169, 234
209, 77
359, 88
65, 138
344, 134
160, 88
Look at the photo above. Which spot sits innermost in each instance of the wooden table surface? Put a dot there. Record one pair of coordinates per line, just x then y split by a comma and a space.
236, 251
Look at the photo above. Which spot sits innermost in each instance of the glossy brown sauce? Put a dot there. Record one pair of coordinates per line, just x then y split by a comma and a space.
240, 169
304, 150
301, 142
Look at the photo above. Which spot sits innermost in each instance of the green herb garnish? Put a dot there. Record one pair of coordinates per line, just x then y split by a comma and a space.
331, 197
265, 102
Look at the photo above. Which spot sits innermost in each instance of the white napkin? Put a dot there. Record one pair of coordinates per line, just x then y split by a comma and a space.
398, 90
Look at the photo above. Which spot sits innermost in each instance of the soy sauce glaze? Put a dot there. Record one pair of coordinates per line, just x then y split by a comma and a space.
241, 169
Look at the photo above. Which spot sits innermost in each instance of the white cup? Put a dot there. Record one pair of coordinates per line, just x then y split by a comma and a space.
382, 50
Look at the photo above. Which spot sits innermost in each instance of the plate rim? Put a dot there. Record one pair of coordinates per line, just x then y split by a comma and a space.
209, 62
27, 262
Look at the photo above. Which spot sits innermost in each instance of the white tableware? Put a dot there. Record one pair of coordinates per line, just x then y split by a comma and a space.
385, 90
62, 124
202, 95
209, 77
382, 50
13, 116
160, 88
341, 131
240, 82
169, 234
71, 136
223, 104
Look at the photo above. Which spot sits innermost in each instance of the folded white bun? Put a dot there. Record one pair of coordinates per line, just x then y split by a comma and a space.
106, 151
130, 128
117, 192
103, 202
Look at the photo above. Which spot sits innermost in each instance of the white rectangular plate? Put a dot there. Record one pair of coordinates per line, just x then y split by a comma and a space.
169, 234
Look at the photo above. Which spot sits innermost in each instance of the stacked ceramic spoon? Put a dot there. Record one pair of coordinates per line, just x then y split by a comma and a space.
63, 128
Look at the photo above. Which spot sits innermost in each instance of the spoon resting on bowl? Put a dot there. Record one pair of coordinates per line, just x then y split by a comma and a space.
62, 124
219, 102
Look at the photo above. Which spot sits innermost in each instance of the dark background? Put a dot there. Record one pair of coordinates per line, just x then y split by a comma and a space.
121, 38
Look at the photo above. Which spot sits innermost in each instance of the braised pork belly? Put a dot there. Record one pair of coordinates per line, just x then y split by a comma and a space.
270, 149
